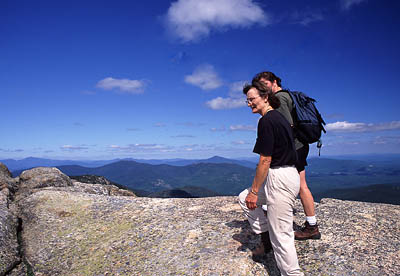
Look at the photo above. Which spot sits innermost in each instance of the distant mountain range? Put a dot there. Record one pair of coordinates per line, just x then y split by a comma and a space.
382, 193
224, 179
221, 176
31, 162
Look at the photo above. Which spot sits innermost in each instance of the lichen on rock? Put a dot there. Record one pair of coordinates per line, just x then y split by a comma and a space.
43, 177
88, 234
77, 229
9, 254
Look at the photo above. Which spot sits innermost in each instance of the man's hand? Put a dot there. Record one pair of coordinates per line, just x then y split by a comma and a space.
251, 201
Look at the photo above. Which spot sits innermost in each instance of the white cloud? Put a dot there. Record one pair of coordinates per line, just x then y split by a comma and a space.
306, 17
11, 150
159, 125
179, 57
225, 103
141, 148
115, 147
183, 136
380, 142
352, 143
362, 127
122, 85
146, 146
198, 147
204, 77
383, 140
214, 129
191, 124
235, 128
242, 128
344, 126
235, 99
240, 142
191, 20
70, 147
236, 89
347, 4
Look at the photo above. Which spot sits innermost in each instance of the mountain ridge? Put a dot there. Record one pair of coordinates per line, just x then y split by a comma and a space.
31, 162
221, 178
324, 176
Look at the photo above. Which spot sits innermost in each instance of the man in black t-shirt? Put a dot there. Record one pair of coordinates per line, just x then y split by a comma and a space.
269, 81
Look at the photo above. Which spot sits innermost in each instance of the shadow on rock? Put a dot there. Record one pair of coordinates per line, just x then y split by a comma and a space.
296, 226
249, 241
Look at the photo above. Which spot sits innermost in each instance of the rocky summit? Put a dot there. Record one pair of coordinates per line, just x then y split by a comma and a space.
53, 225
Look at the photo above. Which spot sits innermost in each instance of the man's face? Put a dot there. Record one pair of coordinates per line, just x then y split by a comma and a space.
268, 84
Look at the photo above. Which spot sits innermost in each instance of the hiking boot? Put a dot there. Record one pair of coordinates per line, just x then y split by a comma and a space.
307, 232
264, 247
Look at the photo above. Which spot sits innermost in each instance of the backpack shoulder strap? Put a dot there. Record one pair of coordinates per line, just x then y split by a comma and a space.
286, 92
283, 90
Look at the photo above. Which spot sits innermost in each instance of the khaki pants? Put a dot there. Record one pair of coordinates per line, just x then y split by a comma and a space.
277, 196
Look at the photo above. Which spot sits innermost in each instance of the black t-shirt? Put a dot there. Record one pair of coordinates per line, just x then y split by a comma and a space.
275, 139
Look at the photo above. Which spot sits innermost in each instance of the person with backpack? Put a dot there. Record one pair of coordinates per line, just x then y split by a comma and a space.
270, 82
268, 203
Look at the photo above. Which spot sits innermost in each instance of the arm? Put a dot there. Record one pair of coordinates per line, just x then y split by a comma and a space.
261, 173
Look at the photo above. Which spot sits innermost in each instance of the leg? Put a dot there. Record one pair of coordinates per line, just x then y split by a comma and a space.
256, 217
310, 229
306, 197
258, 222
283, 186
263, 248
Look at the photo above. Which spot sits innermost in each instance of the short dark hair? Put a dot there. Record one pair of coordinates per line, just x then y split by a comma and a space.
272, 99
268, 76
246, 88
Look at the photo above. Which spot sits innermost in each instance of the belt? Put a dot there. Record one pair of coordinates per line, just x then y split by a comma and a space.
284, 166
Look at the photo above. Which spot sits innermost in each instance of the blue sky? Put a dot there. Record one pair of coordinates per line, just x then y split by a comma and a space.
162, 79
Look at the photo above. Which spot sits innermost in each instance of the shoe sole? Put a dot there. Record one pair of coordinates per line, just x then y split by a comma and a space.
314, 237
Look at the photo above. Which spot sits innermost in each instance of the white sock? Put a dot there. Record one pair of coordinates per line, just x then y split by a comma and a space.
311, 220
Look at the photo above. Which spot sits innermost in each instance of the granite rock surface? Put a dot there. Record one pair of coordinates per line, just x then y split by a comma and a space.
67, 231
13, 190
41, 177
9, 253
86, 234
